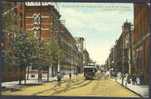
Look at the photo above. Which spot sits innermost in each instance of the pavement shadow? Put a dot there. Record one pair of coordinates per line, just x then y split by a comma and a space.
70, 87
48, 89
26, 85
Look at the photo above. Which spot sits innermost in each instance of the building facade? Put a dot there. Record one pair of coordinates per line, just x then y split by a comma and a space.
133, 53
141, 40
127, 47
86, 58
72, 56
44, 21
10, 72
80, 46
120, 56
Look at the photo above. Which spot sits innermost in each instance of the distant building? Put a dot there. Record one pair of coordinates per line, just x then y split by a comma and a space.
120, 54
80, 46
127, 46
86, 57
106, 64
80, 43
73, 56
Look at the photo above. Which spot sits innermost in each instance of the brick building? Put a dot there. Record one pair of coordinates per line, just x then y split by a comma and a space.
41, 20
44, 22
10, 72
141, 40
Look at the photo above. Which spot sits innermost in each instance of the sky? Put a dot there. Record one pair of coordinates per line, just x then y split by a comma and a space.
99, 23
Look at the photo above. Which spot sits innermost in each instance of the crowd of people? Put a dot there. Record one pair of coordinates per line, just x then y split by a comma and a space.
134, 79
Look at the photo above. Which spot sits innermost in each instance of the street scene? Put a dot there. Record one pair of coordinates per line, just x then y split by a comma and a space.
100, 86
75, 49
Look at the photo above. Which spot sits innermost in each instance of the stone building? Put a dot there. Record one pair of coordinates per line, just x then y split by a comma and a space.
80, 46
80, 43
72, 59
127, 46
119, 49
121, 53
86, 57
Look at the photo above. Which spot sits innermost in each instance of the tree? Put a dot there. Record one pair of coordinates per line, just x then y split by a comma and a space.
50, 48
9, 17
32, 51
10, 27
22, 54
26, 50
51, 54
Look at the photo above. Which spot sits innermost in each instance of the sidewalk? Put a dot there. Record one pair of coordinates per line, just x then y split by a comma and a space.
16, 83
142, 90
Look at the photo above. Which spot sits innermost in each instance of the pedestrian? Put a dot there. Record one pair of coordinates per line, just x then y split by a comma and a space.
59, 78
133, 79
107, 75
119, 75
138, 80
126, 79
70, 75
141, 78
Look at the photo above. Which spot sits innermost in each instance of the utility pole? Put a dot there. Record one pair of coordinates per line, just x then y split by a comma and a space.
58, 28
123, 57
39, 23
130, 51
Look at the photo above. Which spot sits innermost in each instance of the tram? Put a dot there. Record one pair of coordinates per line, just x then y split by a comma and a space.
89, 71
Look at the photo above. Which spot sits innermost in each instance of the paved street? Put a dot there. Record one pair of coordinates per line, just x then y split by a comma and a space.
78, 86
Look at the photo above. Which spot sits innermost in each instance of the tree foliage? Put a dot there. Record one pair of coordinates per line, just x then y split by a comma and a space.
26, 50
9, 17
50, 52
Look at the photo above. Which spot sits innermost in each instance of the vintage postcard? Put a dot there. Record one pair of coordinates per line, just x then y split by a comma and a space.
76, 49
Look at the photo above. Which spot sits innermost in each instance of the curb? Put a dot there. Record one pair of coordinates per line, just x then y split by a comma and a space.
131, 90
